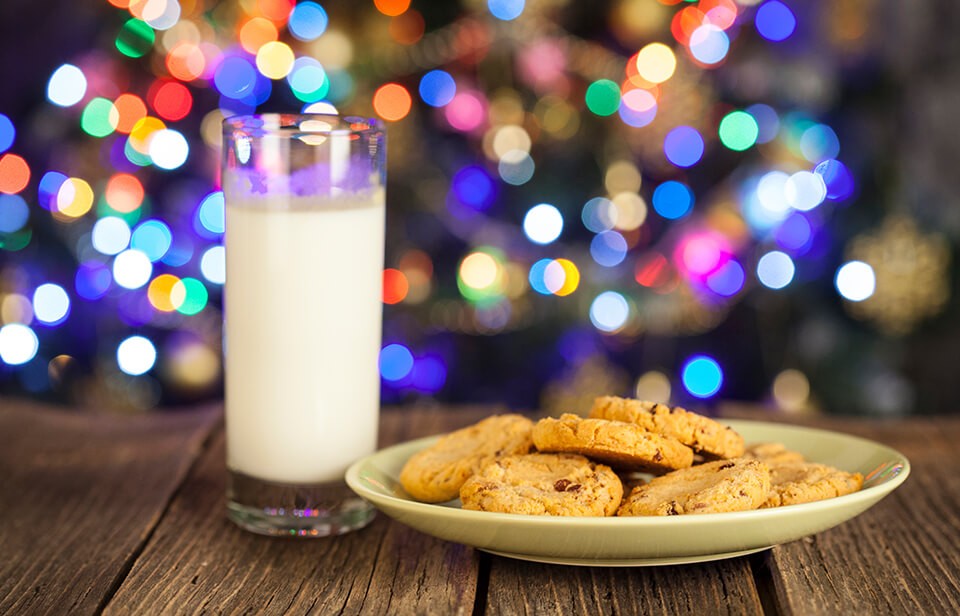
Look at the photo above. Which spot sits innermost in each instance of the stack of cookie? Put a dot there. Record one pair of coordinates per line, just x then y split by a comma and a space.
577, 466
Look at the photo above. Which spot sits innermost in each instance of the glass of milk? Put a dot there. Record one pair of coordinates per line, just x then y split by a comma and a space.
302, 317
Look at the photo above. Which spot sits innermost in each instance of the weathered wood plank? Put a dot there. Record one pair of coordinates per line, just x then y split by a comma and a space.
198, 561
900, 557
79, 494
723, 587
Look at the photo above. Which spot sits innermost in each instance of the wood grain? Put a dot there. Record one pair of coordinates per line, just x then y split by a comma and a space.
723, 587
198, 561
79, 494
883, 561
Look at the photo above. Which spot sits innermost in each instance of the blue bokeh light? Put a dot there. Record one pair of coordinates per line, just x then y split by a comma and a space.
775, 21
474, 187
728, 279
308, 20
768, 122
437, 88
153, 238
396, 362
673, 200
210, 212
506, 10
236, 77
837, 178
702, 376
48, 188
7, 133
538, 276
608, 248
14, 213
429, 374
92, 280
683, 146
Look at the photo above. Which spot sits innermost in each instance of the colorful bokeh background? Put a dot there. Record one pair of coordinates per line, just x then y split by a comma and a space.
680, 200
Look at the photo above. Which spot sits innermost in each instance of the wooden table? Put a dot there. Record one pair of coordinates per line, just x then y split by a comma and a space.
126, 515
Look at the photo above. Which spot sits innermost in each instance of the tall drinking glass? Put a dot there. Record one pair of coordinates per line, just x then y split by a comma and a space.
302, 315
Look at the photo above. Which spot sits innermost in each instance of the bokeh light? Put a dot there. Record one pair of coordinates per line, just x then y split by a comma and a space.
51, 304
18, 344
168, 149
653, 385
395, 286
709, 44
608, 248
110, 235
603, 97
170, 99
14, 173
805, 190
855, 281
194, 296
506, 10
213, 265
164, 294
135, 38
437, 88
132, 269
7, 133
791, 390
74, 198
836, 178
392, 8
673, 200
702, 376
775, 21
683, 146
211, 212
275, 59
136, 355
543, 223
14, 213
396, 362
99, 118
124, 192
609, 311
728, 279
775, 269
474, 187
738, 130
308, 21
153, 238
516, 167
656, 63
308, 81
67, 86
392, 102
92, 280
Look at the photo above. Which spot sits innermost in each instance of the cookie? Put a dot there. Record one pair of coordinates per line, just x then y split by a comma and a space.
623, 445
714, 487
772, 452
435, 474
544, 484
793, 483
701, 433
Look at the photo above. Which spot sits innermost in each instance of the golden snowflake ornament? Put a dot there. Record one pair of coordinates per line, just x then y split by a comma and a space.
911, 271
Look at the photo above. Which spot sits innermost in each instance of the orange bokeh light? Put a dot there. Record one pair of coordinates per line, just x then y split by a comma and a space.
257, 32
160, 293
392, 8
277, 11
186, 61
392, 102
131, 110
124, 192
395, 286
14, 174
408, 28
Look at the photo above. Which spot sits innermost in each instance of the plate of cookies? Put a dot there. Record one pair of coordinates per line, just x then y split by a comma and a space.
633, 483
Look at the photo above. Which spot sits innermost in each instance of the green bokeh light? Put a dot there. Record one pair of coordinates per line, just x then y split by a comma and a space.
99, 117
738, 130
196, 297
603, 97
135, 38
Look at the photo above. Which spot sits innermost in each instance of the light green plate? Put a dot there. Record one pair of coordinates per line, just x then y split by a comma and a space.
640, 541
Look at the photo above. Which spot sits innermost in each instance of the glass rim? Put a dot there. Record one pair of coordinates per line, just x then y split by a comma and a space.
291, 123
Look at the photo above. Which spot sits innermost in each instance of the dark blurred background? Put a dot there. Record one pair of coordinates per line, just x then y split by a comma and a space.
693, 201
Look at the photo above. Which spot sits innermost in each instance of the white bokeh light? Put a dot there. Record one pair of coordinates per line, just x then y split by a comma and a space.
609, 311
67, 86
543, 223
213, 265
18, 344
51, 304
775, 269
136, 355
805, 190
168, 148
111, 235
856, 281
132, 269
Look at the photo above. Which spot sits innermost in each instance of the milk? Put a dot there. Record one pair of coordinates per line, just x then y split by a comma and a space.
302, 324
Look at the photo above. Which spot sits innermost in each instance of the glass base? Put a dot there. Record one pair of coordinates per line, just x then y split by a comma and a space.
288, 510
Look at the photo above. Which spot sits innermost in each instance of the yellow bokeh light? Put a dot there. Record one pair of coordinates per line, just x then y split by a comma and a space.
653, 386
656, 63
275, 60
75, 198
479, 270
791, 390
16, 308
165, 294
571, 278
622, 176
631, 211
142, 131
